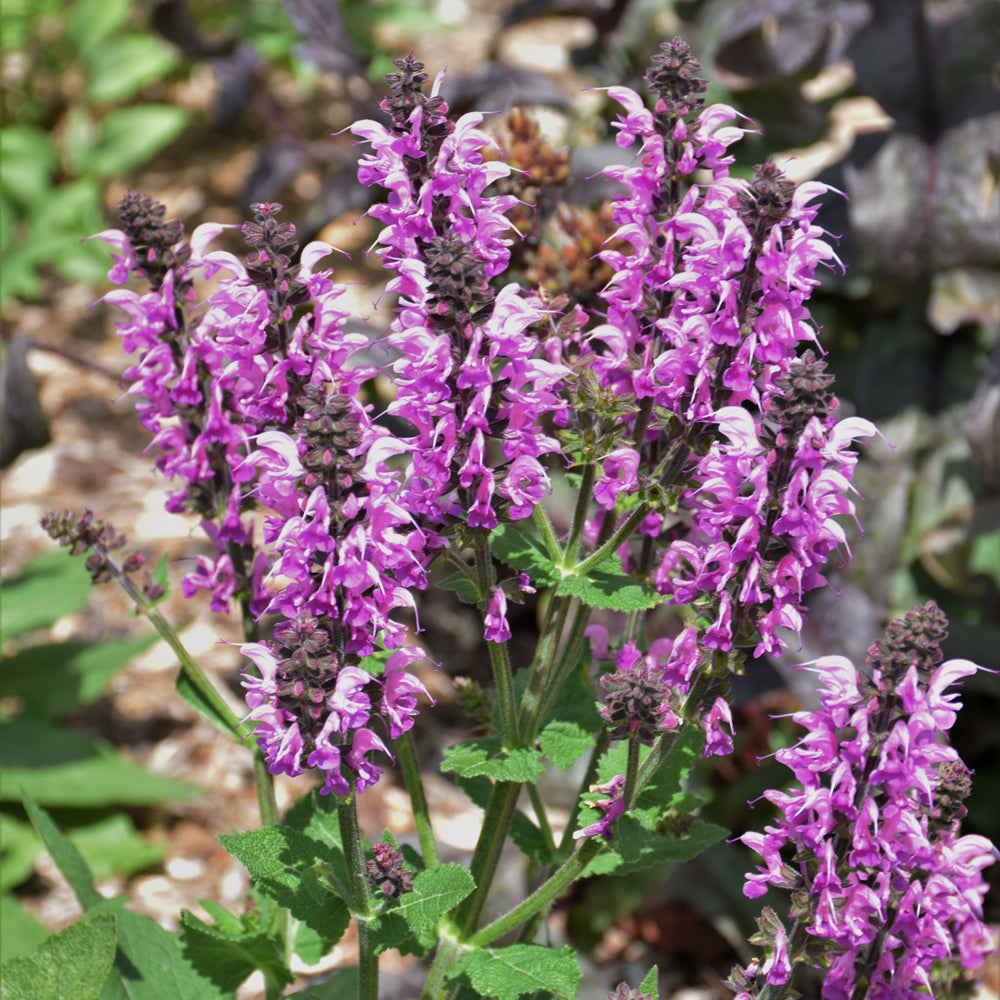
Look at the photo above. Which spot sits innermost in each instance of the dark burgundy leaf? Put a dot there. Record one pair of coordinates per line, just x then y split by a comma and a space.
327, 44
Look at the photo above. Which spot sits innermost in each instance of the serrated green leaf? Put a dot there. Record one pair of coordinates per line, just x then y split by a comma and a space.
281, 863
120, 67
67, 858
521, 551
509, 973
487, 756
22, 933
74, 963
412, 925
227, 959
150, 965
315, 816
525, 834
650, 985
60, 767
608, 586
569, 732
48, 588
633, 848
131, 136
53, 678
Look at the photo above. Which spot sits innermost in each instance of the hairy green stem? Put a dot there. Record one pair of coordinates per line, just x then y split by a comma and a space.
580, 513
621, 534
541, 816
499, 813
548, 533
543, 897
410, 767
350, 838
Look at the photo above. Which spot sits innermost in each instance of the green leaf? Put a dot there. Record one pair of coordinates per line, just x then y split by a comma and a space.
150, 965
60, 767
416, 918
28, 159
193, 696
227, 958
633, 848
509, 973
281, 863
573, 721
608, 586
48, 588
489, 757
74, 963
19, 846
120, 68
315, 816
459, 583
342, 986
130, 137
111, 844
22, 933
650, 985
67, 858
92, 22
521, 551
985, 555
53, 678
525, 834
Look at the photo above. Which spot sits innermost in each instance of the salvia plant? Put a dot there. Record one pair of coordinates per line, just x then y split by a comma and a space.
687, 404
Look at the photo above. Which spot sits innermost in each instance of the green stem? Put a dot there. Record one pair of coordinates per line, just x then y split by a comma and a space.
621, 534
545, 653
499, 813
350, 837
631, 772
543, 896
555, 677
410, 767
448, 953
580, 513
499, 655
548, 533
543, 819
191, 670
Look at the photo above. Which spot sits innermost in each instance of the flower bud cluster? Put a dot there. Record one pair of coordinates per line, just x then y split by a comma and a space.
887, 894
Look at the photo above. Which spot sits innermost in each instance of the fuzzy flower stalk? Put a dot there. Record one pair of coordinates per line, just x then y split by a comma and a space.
887, 894
695, 400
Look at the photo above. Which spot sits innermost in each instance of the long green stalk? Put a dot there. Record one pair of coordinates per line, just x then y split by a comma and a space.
350, 837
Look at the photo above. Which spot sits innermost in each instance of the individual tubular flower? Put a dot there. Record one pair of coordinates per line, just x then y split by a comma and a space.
612, 807
887, 894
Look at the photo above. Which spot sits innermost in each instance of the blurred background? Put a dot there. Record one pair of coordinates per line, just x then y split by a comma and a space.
211, 105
